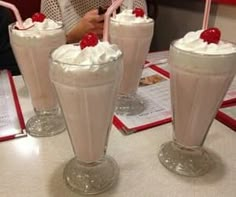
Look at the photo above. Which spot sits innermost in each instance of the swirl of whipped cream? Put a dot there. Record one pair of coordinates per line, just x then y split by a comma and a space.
102, 53
192, 42
127, 17
38, 29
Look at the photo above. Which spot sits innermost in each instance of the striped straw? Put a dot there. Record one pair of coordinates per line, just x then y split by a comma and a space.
206, 14
16, 13
110, 10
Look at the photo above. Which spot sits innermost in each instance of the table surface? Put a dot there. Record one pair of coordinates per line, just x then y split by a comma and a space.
33, 167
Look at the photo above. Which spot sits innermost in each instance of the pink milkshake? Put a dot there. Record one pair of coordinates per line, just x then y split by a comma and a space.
201, 73
87, 82
31, 48
133, 35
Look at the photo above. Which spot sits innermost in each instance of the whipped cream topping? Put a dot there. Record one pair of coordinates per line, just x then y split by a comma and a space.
192, 42
37, 29
127, 17
102, 53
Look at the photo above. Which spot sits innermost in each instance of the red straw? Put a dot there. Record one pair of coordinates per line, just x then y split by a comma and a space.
206, 14
108, 13
16, 13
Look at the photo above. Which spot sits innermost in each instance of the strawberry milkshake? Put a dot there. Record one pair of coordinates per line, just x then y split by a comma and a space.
132, 31
31, 48
87, 77
202, 68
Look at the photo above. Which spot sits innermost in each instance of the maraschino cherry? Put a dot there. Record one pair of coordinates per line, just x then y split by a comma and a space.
138, 12
211, 35
89, 40
38, 17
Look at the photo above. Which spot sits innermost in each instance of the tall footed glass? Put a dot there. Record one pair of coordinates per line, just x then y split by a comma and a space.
134, 40
87, 94
199, 83
32, 48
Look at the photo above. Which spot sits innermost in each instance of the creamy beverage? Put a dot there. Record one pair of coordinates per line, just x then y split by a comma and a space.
87, 82
201, 70
200, 76
133, 35
87, 78
32, 47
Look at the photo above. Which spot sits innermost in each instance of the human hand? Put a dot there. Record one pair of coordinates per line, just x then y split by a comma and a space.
91, 22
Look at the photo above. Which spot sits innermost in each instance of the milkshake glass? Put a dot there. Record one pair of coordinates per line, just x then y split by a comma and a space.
200, 77
87, 91
31, 48
133, 35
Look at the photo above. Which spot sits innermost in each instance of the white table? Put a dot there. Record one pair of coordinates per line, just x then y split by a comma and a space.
32, 167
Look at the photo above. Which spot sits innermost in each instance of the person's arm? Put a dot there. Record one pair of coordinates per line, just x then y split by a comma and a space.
90, 22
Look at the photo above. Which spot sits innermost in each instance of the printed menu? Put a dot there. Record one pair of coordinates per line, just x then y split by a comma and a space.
154, 90
11, 119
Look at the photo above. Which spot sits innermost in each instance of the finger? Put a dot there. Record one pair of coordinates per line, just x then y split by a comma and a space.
94, 17
99, 26
101, 18
99, 32
97, 18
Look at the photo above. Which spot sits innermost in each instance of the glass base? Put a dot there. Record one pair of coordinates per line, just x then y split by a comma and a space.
129, 105
91, 178
185, 161
46, 124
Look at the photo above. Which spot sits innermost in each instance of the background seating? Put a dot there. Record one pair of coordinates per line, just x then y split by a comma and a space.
26, 7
